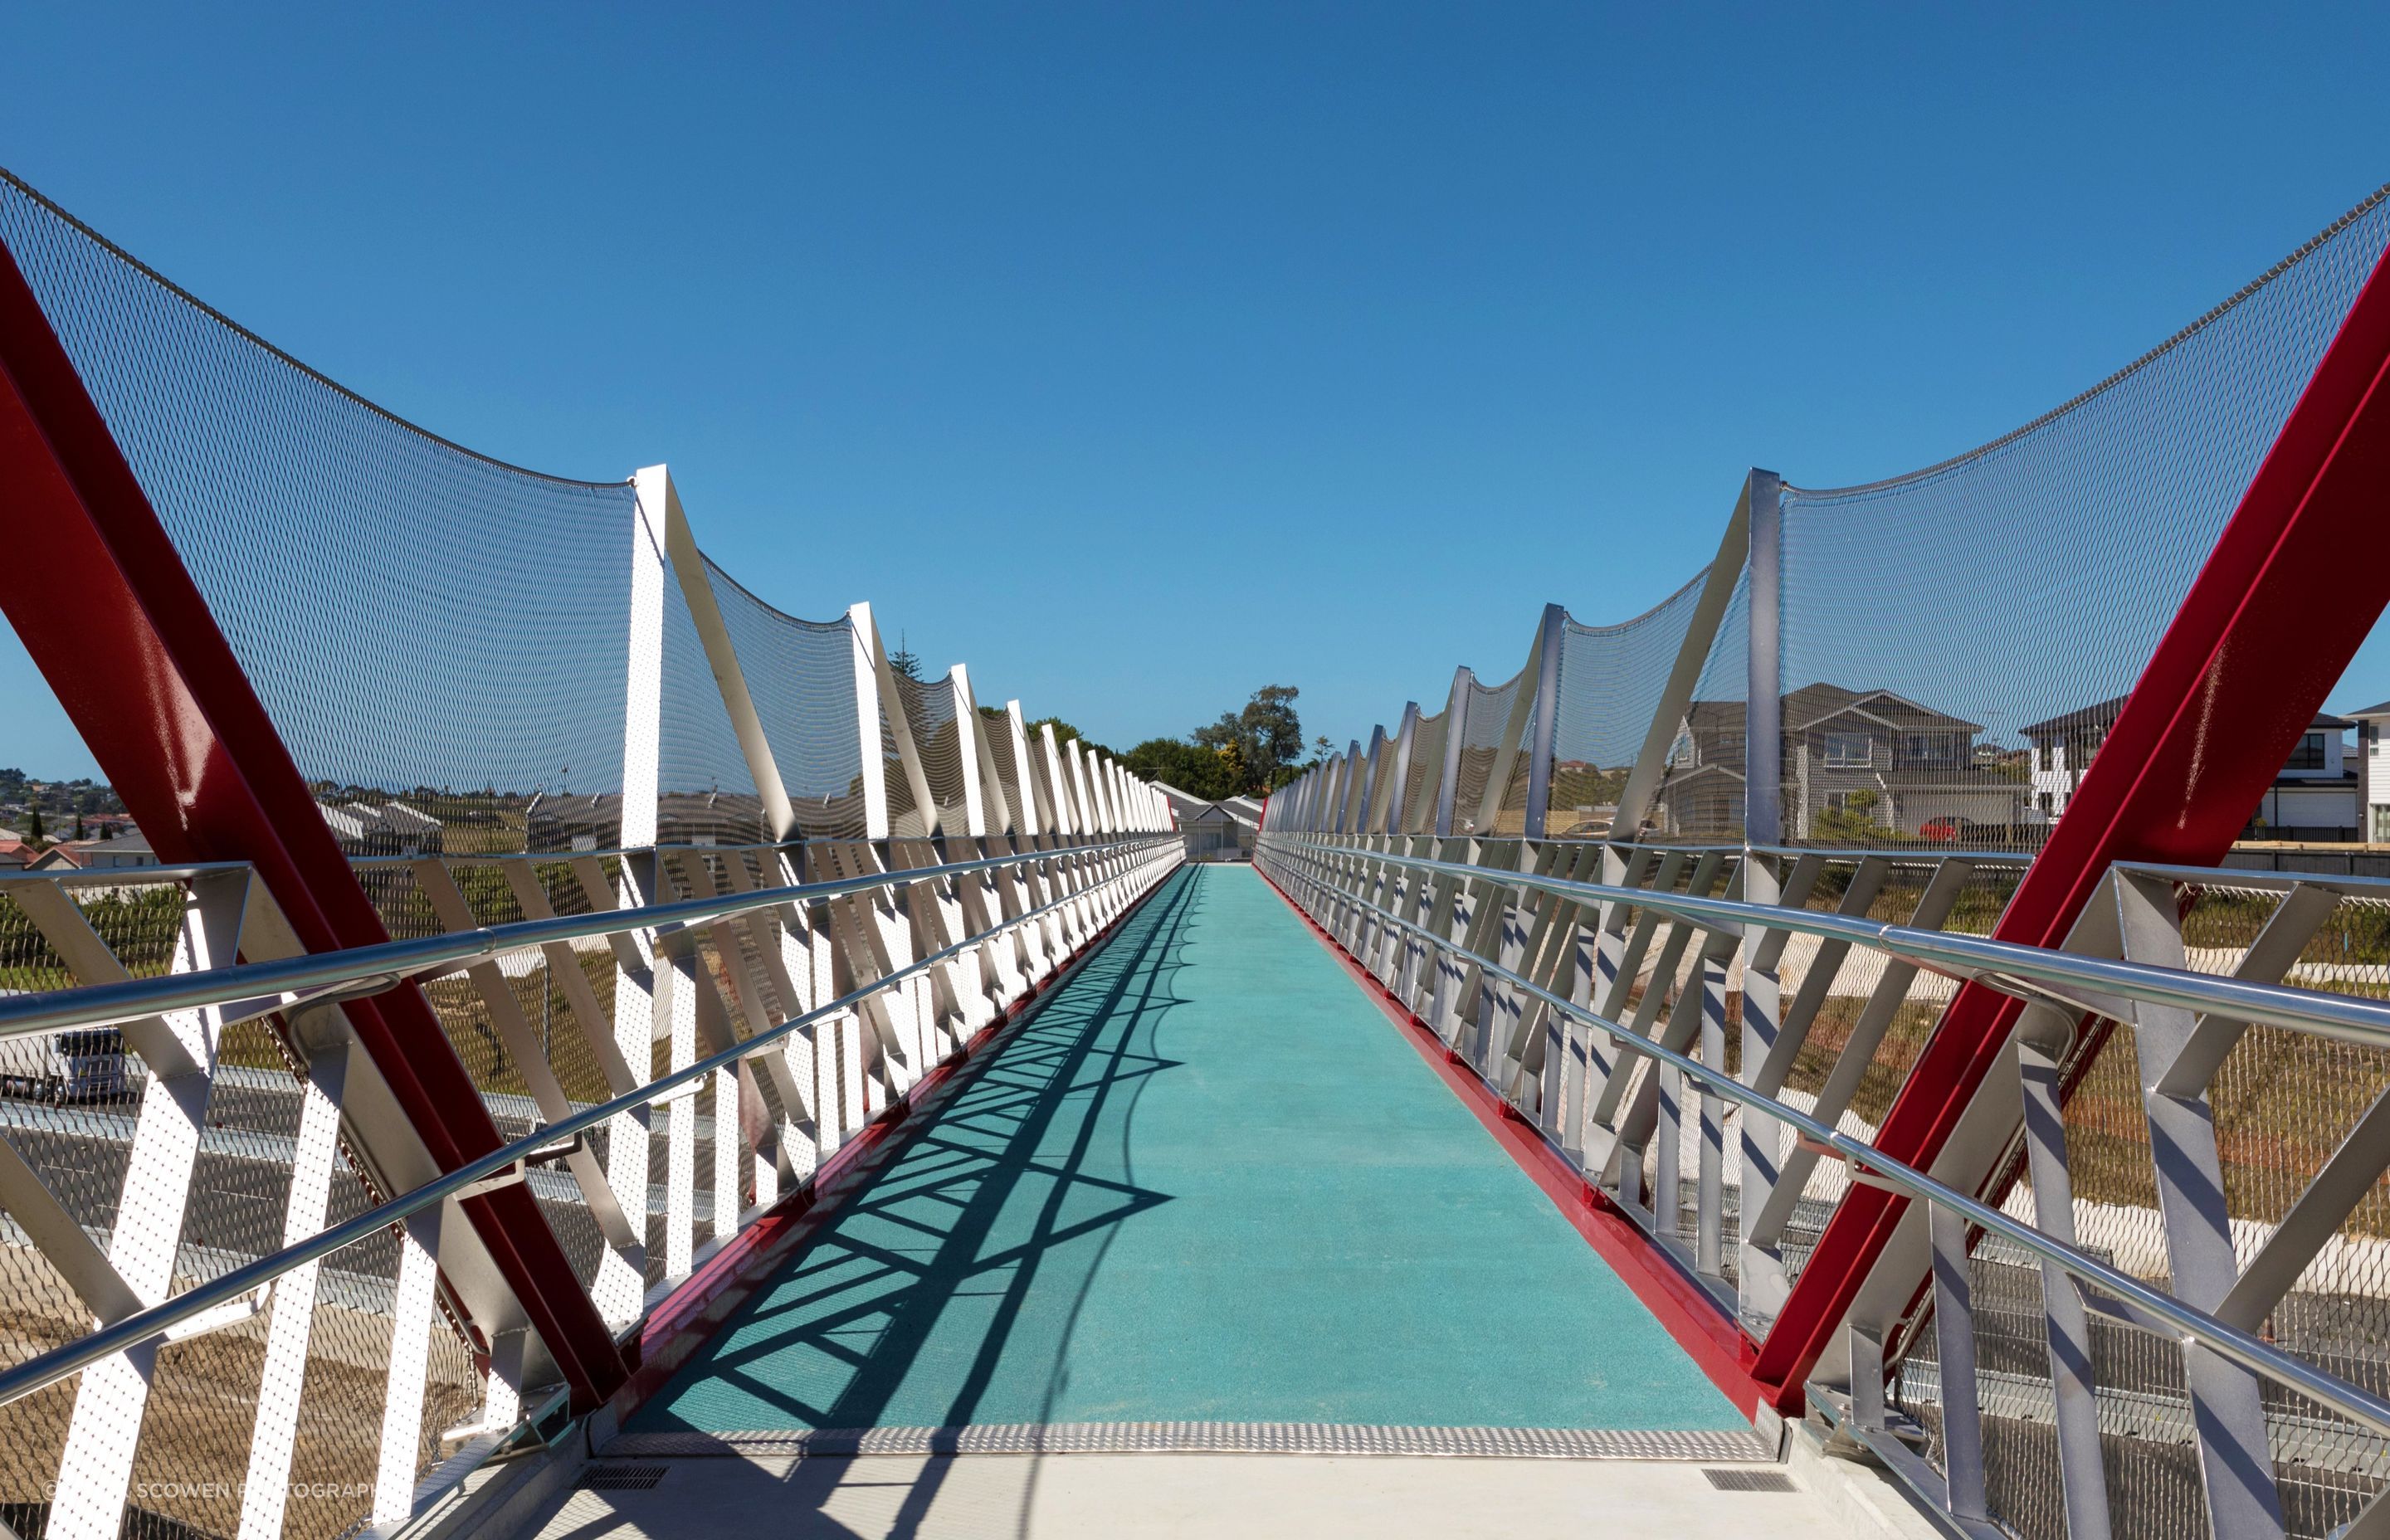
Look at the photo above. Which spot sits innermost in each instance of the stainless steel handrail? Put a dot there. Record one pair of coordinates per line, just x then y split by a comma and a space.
611, 852
48, 1369
265, 987
2351, 1401
2027, 972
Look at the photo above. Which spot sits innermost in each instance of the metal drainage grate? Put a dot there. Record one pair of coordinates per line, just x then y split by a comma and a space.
1749, 1480
621, 1478
1221, 1438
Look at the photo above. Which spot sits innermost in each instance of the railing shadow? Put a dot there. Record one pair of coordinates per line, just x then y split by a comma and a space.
862, 1305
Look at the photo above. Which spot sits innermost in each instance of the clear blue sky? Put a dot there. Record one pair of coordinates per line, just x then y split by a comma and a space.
1035, 325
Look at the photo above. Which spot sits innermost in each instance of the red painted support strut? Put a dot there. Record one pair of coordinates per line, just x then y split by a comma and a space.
143, 670
2290, 590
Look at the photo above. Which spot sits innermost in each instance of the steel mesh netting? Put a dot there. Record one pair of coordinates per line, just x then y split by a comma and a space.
1420, 777
76, 1130
906, 820
2282, 1103
563, 1039
1485, 722
1699, 797
1051, 776
1861, 1093
738, 979
352, 1321
995, 728
473, 1032
929, 710
2325, 1468
705, 790
81, 1153
1610, 681
417, 620
1957, 643
1376, 760
801, 677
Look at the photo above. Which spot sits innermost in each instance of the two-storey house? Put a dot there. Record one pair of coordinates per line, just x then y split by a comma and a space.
2317, 795
1853, 759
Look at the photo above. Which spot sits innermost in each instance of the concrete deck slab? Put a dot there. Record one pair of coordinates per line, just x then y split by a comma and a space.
1103, 1497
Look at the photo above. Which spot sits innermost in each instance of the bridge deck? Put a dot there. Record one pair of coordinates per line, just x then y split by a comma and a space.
1208, 1186
1205, 1183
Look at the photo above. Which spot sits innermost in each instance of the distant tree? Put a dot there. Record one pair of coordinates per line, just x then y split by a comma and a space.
1321, 749
1232, 765
1267, 735
78, 833
33, 825
1196, 771
1063, 733
906, 663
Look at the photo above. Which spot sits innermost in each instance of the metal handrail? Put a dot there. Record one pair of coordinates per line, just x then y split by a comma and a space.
48, 1369
261, 988
1900, 855
2259, 880
2228, 1340
113, 876
614, 853
2027, 972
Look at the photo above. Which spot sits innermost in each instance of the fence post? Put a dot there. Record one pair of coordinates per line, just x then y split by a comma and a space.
1455, 713
1548, 689
1760, 1278
1763, 735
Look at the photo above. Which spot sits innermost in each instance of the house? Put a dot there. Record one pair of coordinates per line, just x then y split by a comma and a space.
1852, 759
574, 821
1213, 831
131, 849
2316, 795
383, 828
713, 818
2373, 771
14, 853
2059, 750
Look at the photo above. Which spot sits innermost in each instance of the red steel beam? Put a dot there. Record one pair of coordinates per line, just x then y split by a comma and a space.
145, 675
2292, 588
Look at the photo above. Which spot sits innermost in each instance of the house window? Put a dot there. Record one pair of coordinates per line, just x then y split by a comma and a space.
2049, 753
1846, 750
2381, 822
1729, 749
2308, 755
2043, 802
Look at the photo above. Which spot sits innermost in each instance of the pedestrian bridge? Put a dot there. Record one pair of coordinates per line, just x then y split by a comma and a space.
1206, 1199
587, 1052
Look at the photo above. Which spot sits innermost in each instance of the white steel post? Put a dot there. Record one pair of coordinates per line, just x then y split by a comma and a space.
410, 1352
1456, 713
621, 1280
1763, 742
104, 1430
1544, 725
1762, 1278
273, 1438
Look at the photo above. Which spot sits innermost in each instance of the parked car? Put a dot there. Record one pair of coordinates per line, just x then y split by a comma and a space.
80, 1064
1966, 831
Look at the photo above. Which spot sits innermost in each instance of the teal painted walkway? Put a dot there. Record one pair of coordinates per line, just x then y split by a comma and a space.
1208, 1182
